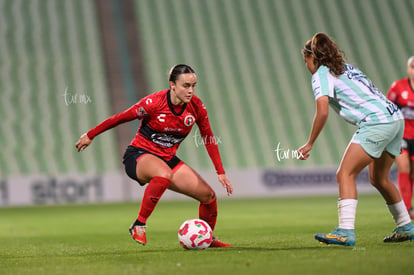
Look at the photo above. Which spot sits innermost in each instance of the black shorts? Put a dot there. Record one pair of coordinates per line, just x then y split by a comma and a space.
408, 145
132, 154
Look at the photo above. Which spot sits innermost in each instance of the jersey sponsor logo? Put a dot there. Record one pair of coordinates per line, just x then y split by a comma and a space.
160, 138
169, 129
372, 141
161, 117
148, 101
166, 140
189, 120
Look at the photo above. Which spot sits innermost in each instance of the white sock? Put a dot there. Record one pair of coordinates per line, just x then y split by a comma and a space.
346, 213
399, 213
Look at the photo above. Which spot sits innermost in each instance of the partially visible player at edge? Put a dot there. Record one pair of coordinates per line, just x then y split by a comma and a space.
401, 93
167, 118
375, 143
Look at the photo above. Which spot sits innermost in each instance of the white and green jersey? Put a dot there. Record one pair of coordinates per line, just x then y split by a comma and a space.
353, 96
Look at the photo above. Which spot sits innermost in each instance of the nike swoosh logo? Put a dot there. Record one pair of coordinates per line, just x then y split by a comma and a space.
333, 237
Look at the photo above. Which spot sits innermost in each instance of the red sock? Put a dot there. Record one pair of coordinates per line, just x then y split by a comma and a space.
207, 211
156, 187
406, 188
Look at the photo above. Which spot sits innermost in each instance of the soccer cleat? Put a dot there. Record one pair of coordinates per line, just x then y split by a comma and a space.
217, 243
338, 236
401, 234
138, 233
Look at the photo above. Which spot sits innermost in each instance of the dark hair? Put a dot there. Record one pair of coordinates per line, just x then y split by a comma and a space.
177, 70
326, 53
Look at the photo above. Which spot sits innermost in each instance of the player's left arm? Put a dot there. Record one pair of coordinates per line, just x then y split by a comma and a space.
212, 147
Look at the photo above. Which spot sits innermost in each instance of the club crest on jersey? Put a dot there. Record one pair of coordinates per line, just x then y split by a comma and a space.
141, 112
189, 120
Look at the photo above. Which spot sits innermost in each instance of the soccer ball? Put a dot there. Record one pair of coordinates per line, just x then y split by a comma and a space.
195, 234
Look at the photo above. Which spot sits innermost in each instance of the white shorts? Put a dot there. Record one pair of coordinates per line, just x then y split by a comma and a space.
379, 137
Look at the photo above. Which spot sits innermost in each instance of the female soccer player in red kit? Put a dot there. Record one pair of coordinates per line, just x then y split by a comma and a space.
167, 118
401, 93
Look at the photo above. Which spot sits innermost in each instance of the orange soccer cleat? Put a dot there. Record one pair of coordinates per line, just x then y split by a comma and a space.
138, 234
217, 243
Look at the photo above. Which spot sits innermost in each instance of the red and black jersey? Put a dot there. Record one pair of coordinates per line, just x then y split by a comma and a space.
164, 125
402, 94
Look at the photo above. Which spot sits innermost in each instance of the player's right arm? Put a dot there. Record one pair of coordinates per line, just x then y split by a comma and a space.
137, 111
319, 121
321, 92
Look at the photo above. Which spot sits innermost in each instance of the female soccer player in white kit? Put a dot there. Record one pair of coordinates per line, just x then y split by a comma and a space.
375, 143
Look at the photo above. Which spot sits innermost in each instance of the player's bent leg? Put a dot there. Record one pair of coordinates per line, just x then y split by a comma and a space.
405, 175
150, 166
186, 181
156, 172
207, 211
410, 194
379, 171
378, 175
353, 161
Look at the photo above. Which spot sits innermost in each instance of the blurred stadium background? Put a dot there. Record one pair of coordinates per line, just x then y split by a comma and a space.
67, 65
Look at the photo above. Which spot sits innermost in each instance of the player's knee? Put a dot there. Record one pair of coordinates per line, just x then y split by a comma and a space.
340, 174
378, 178
212, 195
165, 173
208, 196
373, 179
378, 181
344, 176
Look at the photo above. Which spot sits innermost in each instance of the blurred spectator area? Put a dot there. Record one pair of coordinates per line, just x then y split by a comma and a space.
67, 65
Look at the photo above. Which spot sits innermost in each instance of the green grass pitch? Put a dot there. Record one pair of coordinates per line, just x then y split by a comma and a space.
270, 236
